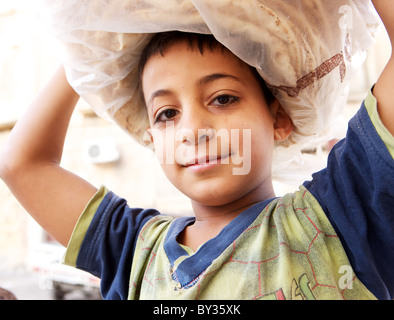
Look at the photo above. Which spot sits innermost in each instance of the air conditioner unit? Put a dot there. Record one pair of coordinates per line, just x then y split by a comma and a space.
98, 151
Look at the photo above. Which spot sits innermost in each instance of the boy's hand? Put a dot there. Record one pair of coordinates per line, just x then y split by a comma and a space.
384, 88
30, 162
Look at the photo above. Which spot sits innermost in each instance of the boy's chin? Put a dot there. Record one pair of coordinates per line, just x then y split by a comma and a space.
212, 197
210, 202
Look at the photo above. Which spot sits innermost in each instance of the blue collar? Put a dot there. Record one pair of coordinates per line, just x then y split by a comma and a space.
191, 268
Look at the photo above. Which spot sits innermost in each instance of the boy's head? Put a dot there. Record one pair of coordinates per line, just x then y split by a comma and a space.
212, 119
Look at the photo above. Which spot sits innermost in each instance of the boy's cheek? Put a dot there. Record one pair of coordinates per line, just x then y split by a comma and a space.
241, 145
163, 143
165, 151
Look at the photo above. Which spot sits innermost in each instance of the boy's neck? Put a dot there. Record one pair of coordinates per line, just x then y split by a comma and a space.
210, 220
218, 215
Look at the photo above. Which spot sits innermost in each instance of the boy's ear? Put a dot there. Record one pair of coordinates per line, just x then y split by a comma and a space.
283, 126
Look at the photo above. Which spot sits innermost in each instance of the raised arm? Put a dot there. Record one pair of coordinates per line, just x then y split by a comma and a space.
30, 161
384, 88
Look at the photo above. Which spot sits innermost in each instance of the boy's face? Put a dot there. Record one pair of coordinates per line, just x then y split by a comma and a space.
211, 127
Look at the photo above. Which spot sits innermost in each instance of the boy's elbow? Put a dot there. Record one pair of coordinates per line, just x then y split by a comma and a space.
3, 170
3, 166
7, 167
10, 167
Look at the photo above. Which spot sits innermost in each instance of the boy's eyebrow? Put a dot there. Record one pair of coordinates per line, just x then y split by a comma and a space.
217, 76
159, 93
205, 80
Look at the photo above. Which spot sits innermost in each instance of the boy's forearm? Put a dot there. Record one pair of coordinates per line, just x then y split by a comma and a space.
40, 133
30, 161
385, 10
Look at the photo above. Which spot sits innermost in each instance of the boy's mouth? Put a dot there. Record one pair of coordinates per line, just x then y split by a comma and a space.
206, 160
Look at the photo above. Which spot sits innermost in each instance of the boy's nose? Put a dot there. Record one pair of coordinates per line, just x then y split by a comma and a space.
190, 136
195, 128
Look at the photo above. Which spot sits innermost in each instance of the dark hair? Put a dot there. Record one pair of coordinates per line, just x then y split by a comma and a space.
162, 41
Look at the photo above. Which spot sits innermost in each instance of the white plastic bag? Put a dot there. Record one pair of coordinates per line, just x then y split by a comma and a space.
304, 49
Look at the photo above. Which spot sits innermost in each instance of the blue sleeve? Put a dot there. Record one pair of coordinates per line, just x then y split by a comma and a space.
108, 246
356, 191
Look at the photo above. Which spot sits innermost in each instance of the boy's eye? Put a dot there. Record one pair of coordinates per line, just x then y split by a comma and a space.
166, 115
224, 100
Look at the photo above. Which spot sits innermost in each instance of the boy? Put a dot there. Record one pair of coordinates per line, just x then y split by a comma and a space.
332, 239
